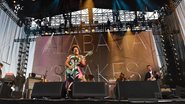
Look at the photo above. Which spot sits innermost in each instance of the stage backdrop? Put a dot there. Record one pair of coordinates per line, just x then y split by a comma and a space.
112, 53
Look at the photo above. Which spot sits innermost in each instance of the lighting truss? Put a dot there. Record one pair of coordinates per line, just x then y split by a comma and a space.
80, 22
8, 11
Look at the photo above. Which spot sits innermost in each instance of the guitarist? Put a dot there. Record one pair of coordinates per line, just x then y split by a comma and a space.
149, 76
73, 63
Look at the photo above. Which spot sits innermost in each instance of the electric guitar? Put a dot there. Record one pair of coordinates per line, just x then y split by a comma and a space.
75, 64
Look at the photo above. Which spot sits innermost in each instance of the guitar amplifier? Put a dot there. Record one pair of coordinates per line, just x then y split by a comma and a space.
29, 85
31, 82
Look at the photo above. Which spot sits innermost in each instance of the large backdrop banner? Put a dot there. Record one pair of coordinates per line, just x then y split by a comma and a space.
112, 54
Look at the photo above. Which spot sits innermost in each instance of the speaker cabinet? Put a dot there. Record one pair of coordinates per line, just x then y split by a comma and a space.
138, 89
180, 91
31, 81
47, 89
29, 85
90, 89
5, 90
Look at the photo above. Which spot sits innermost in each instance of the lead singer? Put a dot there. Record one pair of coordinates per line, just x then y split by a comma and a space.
74, 63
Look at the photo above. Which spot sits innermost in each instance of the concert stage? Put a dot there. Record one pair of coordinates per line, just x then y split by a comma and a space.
92, 101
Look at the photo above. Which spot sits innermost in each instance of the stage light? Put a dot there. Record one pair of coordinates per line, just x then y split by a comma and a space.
137, 27
108, 30
166, 59
46, 33
114, 28
179, 74
93, 30
66, 32
86, 30
14, 1
128, 29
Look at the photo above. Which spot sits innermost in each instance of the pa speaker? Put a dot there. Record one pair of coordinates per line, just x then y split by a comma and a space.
48, 89
90, 89
138, 89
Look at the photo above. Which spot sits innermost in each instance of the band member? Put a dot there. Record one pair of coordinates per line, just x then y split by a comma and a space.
89, 78
1, 65
157, 75
149, 76
121, 78
73, 64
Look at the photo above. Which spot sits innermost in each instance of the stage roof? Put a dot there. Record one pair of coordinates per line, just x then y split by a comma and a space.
46, 8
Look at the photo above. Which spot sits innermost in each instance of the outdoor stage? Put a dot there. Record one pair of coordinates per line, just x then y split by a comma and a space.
92, 101
96, 93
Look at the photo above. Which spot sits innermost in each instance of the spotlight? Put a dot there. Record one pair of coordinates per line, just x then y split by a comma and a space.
66, 32
93, 30
14, 1
86, 30
108, 30
137, 27
46, 33
114, 28
128, 29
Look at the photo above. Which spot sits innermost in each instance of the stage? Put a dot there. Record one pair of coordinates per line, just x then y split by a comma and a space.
91, 101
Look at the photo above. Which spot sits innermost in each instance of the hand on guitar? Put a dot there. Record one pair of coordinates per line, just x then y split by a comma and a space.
151, 79
70, 67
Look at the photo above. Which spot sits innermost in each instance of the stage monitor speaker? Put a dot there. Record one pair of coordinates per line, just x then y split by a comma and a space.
90, 89
47, 89
138, 89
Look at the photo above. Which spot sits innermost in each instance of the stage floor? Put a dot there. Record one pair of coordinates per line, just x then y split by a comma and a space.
92, 101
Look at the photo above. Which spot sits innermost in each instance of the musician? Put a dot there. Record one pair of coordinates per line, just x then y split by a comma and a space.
121, 78
73, 64
89, 78
149, 76
1, 66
